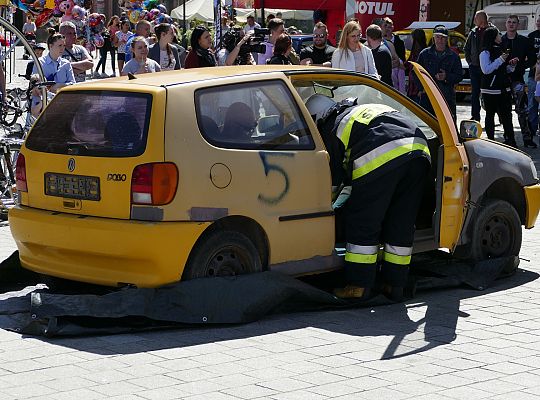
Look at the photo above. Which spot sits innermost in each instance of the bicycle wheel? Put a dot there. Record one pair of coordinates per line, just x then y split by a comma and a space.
11, 110
11, 57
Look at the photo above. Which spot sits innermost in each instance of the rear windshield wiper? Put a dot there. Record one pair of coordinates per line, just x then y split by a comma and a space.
76, 148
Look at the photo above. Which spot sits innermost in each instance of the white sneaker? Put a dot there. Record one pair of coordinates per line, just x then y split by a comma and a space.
104, 75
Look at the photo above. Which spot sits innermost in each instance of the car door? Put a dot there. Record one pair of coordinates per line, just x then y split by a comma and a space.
455, 185
264, 164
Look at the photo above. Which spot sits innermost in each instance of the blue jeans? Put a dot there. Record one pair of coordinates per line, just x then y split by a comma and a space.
476, 76
532, 105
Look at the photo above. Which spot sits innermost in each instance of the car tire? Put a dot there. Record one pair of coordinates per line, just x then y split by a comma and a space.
497, 233
223, 253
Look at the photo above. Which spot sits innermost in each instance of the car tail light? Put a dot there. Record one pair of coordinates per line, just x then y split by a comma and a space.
154, 183
20, 174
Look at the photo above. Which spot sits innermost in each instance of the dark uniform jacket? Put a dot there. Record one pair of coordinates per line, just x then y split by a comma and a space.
369, 140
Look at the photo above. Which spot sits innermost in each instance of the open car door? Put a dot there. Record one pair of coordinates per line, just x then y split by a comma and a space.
455, 185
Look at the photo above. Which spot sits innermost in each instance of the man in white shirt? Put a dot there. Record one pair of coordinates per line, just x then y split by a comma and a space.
77, 55
251, 24
276, 27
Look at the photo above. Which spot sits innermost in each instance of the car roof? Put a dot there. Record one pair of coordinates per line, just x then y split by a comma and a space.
170, 78
433, 24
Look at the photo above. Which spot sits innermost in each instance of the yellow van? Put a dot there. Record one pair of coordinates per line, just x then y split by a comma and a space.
156, 179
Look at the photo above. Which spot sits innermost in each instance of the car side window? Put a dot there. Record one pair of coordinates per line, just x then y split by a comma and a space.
261, 115
367, 94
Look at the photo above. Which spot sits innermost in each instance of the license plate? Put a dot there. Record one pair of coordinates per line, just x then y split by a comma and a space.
72, 186
463, 88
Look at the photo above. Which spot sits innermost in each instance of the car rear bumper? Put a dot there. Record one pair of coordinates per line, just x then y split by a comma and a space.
532, 199
464, 86
101, 250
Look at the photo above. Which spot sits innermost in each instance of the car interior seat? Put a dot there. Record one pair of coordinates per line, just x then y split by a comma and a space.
123, 131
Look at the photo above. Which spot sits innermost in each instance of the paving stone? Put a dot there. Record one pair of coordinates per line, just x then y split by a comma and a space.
286, 385
334, 389
250, 392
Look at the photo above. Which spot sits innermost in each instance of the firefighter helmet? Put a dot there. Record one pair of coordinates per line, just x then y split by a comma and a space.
318, 105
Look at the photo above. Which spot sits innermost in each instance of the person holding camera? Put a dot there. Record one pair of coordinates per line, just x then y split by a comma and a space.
495, 85
235, 49
276, 27
444, 66
282, 50
521, 56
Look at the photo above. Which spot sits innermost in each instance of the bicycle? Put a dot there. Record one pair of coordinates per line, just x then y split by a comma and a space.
10, 146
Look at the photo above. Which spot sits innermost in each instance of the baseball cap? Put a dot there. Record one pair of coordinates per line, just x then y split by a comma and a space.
440, 30
40, 45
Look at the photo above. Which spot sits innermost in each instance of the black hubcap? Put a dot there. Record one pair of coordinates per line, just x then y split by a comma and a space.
497, 237
228, 261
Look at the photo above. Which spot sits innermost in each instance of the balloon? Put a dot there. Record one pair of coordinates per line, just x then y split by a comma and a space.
43, 17
162, 8
98, 40
133, 16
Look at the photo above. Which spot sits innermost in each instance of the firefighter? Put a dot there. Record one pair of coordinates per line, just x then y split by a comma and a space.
385, 161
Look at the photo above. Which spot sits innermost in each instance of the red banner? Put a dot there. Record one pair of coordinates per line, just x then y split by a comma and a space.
402, 12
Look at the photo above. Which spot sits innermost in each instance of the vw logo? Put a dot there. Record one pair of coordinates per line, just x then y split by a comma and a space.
71, 164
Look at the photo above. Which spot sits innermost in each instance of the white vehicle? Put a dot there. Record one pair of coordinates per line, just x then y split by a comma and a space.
527, 11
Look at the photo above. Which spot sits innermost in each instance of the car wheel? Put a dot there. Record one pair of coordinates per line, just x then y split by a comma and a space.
223, 253
497, 233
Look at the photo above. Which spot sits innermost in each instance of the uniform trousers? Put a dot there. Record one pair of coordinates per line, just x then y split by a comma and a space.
383, 212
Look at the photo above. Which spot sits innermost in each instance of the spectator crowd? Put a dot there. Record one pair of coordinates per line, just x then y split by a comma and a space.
497, 63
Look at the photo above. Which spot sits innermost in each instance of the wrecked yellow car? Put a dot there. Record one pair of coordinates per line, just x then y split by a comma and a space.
143, 182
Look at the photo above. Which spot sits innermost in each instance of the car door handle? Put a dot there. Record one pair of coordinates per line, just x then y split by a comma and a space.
447, 179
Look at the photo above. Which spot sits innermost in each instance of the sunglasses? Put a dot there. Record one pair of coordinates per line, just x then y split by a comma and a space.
319, 35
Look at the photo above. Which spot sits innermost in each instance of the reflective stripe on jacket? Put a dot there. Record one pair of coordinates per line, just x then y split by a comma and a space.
377, 138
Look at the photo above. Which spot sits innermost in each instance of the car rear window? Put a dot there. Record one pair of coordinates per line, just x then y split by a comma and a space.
93, 123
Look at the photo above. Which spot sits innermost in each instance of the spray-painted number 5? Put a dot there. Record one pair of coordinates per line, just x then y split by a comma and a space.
269, 168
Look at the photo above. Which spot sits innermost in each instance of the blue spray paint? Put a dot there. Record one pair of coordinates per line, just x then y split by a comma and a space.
268, 168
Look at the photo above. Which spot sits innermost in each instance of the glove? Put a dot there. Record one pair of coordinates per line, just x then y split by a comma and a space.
342, 197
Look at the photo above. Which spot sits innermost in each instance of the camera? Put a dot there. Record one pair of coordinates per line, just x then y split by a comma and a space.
253, 45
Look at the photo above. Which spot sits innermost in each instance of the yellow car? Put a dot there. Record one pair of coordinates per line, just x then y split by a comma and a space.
456, 41
147, 181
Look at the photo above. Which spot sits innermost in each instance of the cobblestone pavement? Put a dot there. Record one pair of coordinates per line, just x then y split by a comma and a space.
444, 344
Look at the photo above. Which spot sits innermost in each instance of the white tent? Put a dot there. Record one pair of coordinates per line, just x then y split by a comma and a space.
204, 10
195, 9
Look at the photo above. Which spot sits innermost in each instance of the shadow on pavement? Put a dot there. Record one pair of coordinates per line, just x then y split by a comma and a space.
277, 303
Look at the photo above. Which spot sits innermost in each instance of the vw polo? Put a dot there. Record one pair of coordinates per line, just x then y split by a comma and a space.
222, 171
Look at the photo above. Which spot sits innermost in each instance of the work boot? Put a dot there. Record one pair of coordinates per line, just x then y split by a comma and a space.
394, 293
352, 292
530, 143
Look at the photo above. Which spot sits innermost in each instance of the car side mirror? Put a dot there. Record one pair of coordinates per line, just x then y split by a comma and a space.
470, 129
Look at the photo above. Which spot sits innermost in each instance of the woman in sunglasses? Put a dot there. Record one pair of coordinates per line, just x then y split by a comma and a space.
353, 55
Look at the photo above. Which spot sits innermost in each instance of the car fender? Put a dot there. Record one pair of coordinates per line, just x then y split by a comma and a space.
492, 162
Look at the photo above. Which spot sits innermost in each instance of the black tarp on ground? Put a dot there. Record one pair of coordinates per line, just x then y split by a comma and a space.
78, 309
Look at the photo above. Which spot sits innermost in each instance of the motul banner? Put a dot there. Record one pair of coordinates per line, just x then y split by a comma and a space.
402, 12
